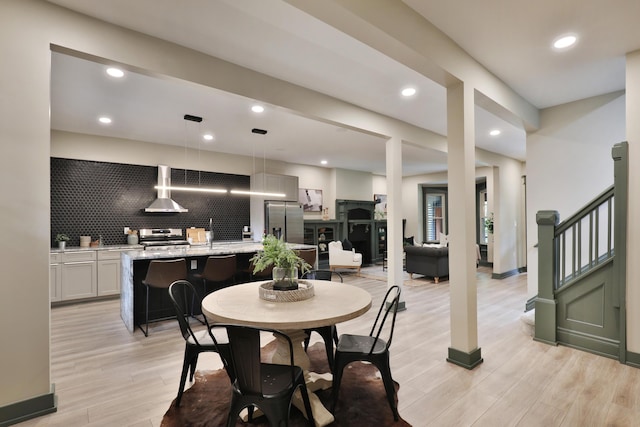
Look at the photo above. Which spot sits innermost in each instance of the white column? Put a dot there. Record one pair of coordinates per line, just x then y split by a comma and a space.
25, 379
464, 350
633, 226
395, 275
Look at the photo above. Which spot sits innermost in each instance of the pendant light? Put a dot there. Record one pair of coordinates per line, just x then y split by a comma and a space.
199, 189
264, 168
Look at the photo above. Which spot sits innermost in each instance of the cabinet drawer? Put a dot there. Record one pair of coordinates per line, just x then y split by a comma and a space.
54, 258
110, 254
79, 256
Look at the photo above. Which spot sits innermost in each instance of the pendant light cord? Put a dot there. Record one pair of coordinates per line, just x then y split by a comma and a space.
186, 138
199, 161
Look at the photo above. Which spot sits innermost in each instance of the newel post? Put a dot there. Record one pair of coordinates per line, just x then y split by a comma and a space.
620, 155
545, 326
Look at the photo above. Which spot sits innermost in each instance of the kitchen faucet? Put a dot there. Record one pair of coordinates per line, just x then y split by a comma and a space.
210, 233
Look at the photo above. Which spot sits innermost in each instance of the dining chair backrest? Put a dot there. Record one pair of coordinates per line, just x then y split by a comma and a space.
387, 307
269, 387
219, 268
244, 342
322, 275
185, 298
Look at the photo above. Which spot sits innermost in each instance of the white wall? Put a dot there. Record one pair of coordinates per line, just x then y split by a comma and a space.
633, 226
378, 185
569, 162
353, 185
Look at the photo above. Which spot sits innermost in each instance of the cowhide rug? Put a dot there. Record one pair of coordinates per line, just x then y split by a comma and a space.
362, 400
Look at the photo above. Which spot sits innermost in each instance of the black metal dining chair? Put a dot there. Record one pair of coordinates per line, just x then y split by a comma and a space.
269, 387
214, 338
370, 348
329, 333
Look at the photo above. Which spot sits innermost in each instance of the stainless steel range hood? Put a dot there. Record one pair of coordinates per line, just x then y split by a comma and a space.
164, 203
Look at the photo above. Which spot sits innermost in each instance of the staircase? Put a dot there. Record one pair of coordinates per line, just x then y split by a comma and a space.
582, 270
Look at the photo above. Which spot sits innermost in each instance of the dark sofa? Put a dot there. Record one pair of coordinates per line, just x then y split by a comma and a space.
428, 261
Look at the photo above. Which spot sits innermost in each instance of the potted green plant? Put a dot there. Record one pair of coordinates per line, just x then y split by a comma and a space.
488, 222
285, 262
62, 240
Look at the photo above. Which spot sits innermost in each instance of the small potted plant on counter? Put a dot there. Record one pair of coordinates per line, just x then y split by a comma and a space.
62, 240
285, 263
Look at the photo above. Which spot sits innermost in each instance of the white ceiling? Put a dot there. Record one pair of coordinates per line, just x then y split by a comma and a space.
511, 39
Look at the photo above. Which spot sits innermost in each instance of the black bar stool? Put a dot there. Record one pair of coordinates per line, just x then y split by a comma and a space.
218, 269
161, 274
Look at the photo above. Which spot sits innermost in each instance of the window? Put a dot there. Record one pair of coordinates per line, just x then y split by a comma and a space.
435, 215
483, 215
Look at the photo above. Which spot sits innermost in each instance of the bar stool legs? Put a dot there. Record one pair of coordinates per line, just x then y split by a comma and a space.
146, 313
161, 274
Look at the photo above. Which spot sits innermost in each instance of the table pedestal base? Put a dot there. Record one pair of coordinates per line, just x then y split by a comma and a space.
314, 381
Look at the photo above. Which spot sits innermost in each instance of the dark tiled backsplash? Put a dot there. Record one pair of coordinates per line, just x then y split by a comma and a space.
99, 199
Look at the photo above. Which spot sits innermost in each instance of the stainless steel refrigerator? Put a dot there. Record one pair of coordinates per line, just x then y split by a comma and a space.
284, 219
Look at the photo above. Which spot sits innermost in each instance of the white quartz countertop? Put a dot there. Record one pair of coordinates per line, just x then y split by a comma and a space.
218, 248
98, 248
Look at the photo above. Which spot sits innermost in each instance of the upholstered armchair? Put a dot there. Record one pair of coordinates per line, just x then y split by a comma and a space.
341, 258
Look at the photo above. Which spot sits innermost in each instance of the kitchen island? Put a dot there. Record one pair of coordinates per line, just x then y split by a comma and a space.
135, 265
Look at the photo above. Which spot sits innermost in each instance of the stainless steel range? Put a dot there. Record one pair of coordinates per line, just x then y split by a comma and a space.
162, 239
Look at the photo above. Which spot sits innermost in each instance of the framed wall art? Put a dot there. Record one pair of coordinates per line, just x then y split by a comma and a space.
380, 208
311, 200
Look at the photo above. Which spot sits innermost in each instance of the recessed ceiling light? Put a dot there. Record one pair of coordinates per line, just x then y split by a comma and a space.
257, 108
565, 41
104, 120
495, 132
323, 162
115, 72
207, 137
408, 91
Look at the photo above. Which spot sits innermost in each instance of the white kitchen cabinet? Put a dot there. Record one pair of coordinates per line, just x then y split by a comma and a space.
55, 277
79, 275
109, 272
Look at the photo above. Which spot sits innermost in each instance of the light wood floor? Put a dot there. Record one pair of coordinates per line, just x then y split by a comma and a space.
105, 376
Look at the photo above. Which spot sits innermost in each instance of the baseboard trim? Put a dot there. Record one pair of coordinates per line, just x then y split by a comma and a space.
633, 359
522, 269
466, 360
27, 409
401, 305
588, 342
506, 274
530, 304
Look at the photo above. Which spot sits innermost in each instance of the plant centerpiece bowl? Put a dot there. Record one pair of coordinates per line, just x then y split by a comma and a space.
285, 262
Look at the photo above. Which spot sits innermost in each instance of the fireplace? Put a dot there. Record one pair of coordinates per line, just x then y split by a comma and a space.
357, 224
359, 232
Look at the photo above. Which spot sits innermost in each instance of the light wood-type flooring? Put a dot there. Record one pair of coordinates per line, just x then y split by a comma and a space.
105, 376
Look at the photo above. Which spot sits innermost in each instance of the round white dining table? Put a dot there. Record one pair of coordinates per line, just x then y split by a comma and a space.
332, 303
